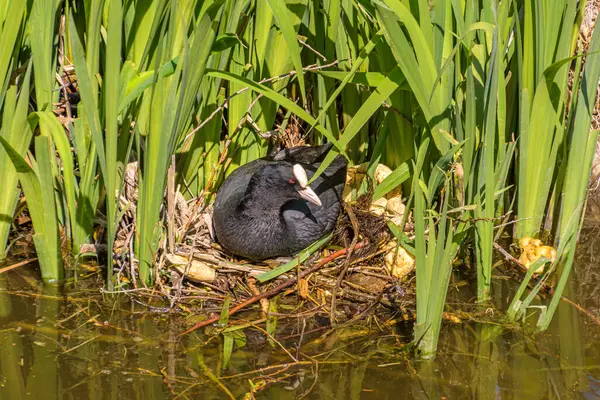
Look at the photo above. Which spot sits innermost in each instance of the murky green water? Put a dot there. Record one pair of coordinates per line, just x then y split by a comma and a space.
76, 344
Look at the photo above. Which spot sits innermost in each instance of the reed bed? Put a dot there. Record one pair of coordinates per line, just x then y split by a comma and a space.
116, 112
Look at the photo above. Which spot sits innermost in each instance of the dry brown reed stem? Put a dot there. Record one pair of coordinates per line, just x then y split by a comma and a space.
340, 278
171, 206
282, 368
17, 265
510, 258
591, 316
200, 200
278, 288
315, 380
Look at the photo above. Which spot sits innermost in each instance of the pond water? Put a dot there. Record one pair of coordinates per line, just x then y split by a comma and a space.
79, 344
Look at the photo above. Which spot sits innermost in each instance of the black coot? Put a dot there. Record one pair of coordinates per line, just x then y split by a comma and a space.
266, 209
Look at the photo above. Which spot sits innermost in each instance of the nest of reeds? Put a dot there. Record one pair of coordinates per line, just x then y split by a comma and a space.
196, 273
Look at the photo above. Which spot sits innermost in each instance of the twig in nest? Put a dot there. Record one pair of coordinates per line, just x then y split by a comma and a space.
276, 289
371, 305
340, 278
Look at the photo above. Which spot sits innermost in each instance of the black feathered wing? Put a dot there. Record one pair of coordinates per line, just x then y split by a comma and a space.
309, 221
231, 193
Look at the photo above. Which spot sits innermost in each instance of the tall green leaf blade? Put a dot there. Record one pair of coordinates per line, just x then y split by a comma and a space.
88, 96
17, 132
41, 25
172, 100
110, 92
486, 211
9, 34
44, 150
395, 179
51, 127
350, 74
283, 20
280, 99
41, 205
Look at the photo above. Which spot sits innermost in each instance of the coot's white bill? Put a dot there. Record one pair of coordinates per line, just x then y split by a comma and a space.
309, 195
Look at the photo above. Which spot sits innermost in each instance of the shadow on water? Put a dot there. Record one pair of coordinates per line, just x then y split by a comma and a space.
77, 344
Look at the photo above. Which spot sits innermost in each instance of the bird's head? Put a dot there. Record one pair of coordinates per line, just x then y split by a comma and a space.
286, 182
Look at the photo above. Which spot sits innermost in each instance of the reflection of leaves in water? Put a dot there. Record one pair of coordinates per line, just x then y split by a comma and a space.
135, 348
587, 273
237, 338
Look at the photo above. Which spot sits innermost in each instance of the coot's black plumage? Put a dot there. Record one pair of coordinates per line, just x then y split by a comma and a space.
264, 208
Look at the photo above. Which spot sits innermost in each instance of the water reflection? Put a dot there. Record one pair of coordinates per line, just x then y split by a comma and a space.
75, 344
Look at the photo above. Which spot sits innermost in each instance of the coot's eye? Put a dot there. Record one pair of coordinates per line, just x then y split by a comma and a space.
292, 181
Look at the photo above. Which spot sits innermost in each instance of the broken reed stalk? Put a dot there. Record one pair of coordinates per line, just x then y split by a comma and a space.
17, 265
171, 206
277, 289
340, 278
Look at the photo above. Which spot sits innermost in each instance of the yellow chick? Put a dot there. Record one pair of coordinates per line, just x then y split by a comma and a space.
545, 251
528, 246
529, 243
533, 249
